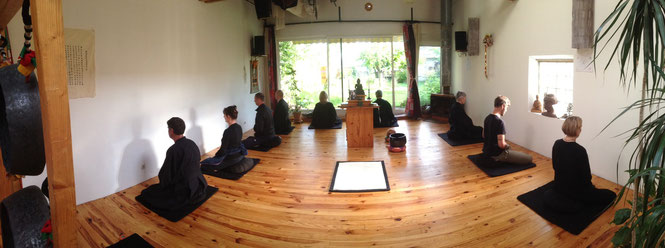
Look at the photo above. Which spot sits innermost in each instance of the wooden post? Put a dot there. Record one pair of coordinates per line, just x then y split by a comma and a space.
49, 45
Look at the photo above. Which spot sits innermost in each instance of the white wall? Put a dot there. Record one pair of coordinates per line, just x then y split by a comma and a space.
527, 28
155, 59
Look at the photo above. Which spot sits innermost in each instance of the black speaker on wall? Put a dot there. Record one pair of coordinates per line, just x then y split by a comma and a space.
460, 41
263, 8
258, 46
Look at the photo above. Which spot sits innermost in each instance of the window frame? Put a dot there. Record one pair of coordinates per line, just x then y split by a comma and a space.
340, 39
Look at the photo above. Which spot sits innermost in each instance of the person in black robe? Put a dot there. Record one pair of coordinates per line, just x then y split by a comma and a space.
231, 154
572, 173
281, 117
264, 131
181, 184
461, 126
324, 114
383, 116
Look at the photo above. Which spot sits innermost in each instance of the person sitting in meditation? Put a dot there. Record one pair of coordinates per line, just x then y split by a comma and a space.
461, 126
281, 117
572, 174
495, 145
231, 153
383, 116
181, 183
324, 114
264, 131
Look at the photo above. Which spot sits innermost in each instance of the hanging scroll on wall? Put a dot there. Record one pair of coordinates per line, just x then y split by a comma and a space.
254, 76
80, 58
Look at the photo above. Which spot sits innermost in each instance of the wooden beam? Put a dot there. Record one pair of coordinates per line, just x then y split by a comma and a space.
52, 72
8, 9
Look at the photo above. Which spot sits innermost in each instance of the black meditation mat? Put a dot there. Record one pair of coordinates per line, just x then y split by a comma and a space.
230, 175
494, 169
574, 223
336, 126
260, 148
175, 216
287, 132
461, 142
133, 241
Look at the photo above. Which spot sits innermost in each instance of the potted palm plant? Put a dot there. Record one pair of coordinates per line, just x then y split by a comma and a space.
638, 27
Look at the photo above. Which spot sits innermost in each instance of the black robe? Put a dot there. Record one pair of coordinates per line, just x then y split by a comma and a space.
281, 118
461, 126
324, 115
181, 184
384, 117
264, 131
263, 126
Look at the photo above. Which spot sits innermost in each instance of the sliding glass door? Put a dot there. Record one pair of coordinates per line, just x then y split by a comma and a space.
334, 65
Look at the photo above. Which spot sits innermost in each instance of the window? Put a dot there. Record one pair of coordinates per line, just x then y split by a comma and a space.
429, 73
552, 75
334, 65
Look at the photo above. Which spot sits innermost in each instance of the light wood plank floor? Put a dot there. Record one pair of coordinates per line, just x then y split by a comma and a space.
438, 198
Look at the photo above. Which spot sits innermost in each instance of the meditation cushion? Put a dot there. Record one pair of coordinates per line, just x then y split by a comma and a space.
21, 134
243, 166
23, 215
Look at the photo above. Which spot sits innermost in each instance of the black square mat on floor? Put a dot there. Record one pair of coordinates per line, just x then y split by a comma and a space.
133, 241
230, 175
462, 142
336, 126
493, 168
177, 215
573, 223
287, 132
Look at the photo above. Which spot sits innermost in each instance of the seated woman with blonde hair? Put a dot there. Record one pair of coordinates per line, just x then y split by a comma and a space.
572, 174
324, 114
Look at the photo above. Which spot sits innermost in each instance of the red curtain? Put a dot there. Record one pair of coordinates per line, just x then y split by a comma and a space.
413, 98
272, 64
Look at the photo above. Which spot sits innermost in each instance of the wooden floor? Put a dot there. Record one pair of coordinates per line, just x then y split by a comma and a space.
438, 198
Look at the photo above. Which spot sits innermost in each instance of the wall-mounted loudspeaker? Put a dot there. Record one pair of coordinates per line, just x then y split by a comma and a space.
460, 41
263, 8
258, 46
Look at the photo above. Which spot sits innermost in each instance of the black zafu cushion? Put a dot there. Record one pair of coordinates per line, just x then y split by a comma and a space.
335, 126
175, 216
133, 241
23, 215
493, 168
459, 142
574, 223
21, 136
233, 173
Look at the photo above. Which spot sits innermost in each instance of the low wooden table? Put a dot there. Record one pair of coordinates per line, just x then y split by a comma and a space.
359, 123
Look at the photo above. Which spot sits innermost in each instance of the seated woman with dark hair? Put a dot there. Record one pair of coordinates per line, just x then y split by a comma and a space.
572, 174
324, 114
231, 155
